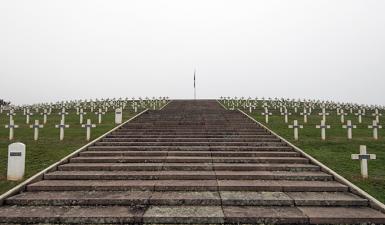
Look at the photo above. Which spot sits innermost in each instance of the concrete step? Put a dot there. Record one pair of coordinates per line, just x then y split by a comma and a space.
176, 159
301, 215
227, 198
190, 215
190, 153
282, 148
209, 140
187, 175
186, 167
195, 144
187, 185
123, 135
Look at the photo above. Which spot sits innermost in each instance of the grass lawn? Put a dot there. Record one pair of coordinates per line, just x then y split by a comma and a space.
48, 149
336, 151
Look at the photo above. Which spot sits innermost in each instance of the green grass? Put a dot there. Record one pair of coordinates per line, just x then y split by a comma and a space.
48, 149
335, 152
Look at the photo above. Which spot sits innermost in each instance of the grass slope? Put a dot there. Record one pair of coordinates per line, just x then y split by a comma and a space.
335, 152
48, 149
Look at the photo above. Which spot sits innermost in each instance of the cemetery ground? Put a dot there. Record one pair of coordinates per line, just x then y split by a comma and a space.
335, 152
49, 149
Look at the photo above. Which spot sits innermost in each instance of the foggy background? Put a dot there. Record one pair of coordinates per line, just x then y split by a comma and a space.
57, 50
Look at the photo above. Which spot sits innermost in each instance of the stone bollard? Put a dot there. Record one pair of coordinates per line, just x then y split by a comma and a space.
16, 161
118, 115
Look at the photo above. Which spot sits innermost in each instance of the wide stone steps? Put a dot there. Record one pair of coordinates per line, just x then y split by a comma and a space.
189, 214
174, 198
256, 143
172, 159
191, 163
187, 175
140, 140
187, 185
281, 148
186, 167
190, 153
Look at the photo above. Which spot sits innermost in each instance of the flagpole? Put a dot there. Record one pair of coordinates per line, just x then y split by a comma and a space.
195, 90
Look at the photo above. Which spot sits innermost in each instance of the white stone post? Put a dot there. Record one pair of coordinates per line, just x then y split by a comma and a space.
16, 161
118, 115
99, 113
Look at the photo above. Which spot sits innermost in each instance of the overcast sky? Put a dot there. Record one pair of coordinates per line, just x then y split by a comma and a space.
73, 49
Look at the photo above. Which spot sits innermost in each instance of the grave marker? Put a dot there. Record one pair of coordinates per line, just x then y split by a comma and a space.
36, 127
11, 127
62, 126
295, 126
350, 128
363, 157
88, 127
266, 114
323, 128
16, 161
99, 113
375, 126
118, 115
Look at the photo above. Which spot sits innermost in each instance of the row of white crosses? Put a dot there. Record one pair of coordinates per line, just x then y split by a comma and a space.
103, 105
363, 156
349, 126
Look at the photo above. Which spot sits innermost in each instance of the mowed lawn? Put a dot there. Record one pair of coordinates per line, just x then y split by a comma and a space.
335, 152
48, 149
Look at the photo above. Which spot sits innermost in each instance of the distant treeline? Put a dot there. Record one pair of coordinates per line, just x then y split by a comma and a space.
2, 102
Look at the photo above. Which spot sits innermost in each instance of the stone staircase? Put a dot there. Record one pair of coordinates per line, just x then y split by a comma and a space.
192, 162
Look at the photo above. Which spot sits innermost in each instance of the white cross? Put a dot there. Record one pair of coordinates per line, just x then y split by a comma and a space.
323, 128
375, 128
88, 127
36, 127
350, 128
81, 113
286, 114
377, 115
99, 113
363, 157
324, 114
45, 113
62, 126
27, 115
305, 114
342, 114
11, 114
63, 113
360, 114
266, 114
11, 126
295, 126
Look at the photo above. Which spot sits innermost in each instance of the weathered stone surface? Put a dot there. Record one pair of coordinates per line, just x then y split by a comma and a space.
343, 215
253, 198
327, 199
263, 215
184, 214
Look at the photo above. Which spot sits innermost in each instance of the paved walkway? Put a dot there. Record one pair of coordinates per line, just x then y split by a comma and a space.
192, 162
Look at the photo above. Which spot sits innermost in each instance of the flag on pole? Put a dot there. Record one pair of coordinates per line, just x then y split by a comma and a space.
195, 92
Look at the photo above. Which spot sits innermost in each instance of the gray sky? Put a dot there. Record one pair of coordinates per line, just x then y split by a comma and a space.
56, 50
